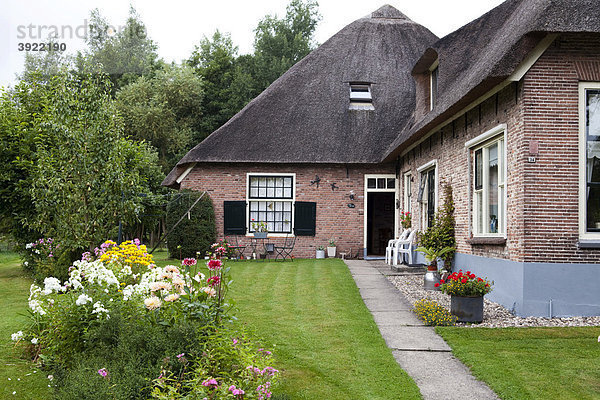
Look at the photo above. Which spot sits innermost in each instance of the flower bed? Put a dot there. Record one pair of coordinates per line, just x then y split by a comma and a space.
117, 308
494, 314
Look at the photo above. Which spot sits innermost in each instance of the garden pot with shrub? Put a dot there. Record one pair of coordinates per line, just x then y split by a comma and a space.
331, 248
260, 235
320, 252
432, 276
466, 291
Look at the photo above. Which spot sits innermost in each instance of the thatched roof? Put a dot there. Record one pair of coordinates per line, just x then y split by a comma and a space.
304, 116
485, 52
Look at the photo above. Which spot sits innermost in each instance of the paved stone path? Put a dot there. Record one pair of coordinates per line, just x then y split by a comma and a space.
422, 353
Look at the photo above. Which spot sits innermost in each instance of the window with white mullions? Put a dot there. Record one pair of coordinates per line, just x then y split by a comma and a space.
270, 200
592, 160
427, 196
489, 189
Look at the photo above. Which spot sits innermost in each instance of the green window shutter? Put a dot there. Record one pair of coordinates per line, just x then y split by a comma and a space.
234, 217
305, 218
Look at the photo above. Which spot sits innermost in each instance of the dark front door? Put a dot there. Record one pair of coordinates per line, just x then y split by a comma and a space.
380, 221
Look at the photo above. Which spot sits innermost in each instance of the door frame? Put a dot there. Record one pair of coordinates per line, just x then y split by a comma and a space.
367, 190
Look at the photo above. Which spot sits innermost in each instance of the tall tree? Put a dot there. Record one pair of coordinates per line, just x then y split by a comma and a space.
280, 43
214, 61
165, 111
124, 54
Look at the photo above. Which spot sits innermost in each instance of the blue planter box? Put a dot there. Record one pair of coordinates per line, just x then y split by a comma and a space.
467, 309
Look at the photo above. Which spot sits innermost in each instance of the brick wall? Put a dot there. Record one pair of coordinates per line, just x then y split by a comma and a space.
334, 218
542, 197
551, 116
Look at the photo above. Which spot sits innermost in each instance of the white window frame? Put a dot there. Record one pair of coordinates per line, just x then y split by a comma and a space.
292, 200
432, 99
583, 234
422, 170
481, 142
407, 191
366, 190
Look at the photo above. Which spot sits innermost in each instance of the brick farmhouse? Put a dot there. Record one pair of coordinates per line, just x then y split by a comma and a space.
505, 110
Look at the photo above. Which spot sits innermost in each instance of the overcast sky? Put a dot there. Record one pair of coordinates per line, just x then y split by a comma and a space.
178, 25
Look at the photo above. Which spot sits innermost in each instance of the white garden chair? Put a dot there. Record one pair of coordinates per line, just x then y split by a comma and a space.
389, 250
404, 247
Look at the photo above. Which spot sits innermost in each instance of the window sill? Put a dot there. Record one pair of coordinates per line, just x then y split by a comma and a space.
496, 241
588, 244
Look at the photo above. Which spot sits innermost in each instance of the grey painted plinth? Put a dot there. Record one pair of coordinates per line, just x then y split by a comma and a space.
439, 375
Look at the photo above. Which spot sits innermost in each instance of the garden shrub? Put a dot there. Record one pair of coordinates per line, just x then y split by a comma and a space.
231, 366
440, 234
433, 314
194, 234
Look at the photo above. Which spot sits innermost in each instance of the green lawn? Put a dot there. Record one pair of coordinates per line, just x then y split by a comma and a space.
531, 363
27, 381
324, 337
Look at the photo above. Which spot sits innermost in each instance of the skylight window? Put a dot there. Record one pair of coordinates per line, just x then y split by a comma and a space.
360, 96
360, 93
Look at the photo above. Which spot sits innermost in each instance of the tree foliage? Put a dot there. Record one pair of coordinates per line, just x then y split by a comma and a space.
164, 110
124, 54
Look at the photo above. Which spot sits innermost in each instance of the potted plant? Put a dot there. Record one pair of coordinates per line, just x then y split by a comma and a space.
320, 252
405, 219
466, 292
432, 276
596, 218
331, 248
260, 229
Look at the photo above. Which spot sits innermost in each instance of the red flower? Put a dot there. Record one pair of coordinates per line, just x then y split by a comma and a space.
213, 280
442, 281
214, 264
464, 280
479, 280
437, 285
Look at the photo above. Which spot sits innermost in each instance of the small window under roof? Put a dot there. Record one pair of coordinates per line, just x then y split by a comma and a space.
360, 96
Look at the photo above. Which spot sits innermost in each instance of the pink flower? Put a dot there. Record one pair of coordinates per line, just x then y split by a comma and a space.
235, 341
103, 372
214, 264
188, 262
210, 382
180, 355
213, 281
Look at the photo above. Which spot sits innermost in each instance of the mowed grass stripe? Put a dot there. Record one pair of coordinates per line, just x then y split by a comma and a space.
326, 339
532, 363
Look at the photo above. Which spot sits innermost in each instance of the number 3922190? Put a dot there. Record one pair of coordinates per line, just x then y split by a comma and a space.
52, 46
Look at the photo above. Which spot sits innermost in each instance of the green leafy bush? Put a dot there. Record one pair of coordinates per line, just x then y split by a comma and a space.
440, 235
194, 234
433, 314
231, 366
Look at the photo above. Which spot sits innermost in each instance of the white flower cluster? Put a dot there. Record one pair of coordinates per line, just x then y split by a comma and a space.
93, 273
83, 299
15, 337
52, 284
99, 309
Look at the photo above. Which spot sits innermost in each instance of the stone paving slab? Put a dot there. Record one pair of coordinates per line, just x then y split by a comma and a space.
439, 375
420, 338
383, 304
396, 318
364, 271
369, 293
371, 281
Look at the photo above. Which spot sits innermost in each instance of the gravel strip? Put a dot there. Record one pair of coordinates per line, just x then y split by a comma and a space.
494, 315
